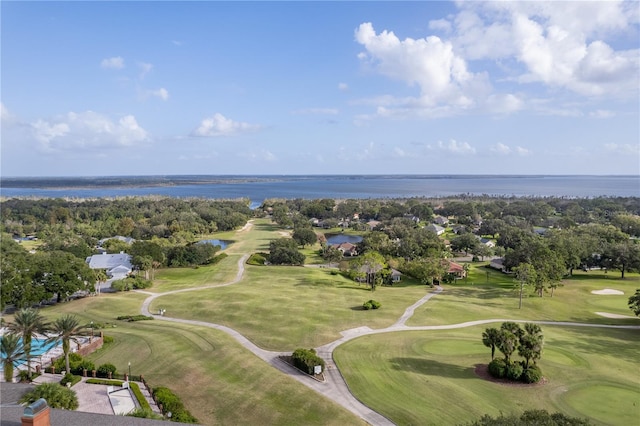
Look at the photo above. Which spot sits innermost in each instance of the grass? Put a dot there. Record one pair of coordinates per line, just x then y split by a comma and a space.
474, 299
217, 379
281, 308
407, 376
410, 376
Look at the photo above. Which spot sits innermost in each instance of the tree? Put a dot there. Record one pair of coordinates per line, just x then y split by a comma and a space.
304, 236
508, 340
57, 396
66, 329
526, 275
27, 322
491, 338
12, 353
332, 254
531, 341
623, 256
634, 303
284, 251
466, 242
369, 267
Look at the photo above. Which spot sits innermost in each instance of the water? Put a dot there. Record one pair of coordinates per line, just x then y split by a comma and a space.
259, 188
342, 238
38, 347
222, 243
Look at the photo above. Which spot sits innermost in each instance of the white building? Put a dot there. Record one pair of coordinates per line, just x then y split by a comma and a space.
118, 266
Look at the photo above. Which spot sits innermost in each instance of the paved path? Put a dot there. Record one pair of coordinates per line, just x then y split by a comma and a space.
335, 387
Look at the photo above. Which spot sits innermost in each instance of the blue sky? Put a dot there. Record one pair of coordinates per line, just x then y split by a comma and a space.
160, 88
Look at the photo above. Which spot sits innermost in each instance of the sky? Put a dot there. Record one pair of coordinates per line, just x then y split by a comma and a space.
294, 88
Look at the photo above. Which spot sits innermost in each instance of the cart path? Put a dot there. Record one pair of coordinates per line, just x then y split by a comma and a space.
335, 387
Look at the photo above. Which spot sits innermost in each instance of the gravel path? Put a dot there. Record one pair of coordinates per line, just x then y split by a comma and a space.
335, 386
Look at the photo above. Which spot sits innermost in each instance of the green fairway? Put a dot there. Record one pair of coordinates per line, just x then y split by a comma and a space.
413, 377
476, 298
284, 307
218, 380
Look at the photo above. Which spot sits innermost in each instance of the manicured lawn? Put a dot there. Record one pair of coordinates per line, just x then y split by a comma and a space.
284, 307
218, 380
428, 378
474, 299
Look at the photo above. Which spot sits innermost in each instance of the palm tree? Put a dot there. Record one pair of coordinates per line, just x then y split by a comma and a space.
26, 323
490, 338
12, 352
66, 329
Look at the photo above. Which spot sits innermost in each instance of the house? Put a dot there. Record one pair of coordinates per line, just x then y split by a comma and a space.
439, 230
127, 240
486, 242
396, 276
440, 220
497, 263
456, 269
118, 265
372, 224
347, 249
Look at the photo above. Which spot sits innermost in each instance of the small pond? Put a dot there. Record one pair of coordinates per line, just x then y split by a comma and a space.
222, 243
342, 238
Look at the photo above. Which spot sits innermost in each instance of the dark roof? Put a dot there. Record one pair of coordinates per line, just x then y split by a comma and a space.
11, 412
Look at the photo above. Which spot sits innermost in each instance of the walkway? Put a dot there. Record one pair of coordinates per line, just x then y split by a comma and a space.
335, 387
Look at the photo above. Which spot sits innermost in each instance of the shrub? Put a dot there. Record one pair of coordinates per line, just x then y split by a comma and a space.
514, 371
104, 382
57, 396
497, 368
218, 258
366, 306
144, 405
257, 259
23, 376
171, 402
105, 369
131, 318
70, 378
374, 304
306, 360
143, 413
533, 374
107, 339
74, 362
81, 366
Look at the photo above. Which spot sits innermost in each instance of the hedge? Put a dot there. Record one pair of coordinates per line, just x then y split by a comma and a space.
171, 402
306, 360
104, 382
144, 405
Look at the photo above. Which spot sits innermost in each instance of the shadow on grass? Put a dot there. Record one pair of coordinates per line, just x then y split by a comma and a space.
431, 367
619, 342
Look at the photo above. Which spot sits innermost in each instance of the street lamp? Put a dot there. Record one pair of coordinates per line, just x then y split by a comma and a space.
91, 338
129, 371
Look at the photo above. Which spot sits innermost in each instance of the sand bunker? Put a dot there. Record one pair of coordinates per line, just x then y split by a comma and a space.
616, 316
607, 291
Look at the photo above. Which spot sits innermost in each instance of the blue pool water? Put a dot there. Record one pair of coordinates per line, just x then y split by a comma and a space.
38, 347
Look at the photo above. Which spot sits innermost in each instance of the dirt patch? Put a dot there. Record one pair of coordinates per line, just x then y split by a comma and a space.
289, 360
482, 371
607, 291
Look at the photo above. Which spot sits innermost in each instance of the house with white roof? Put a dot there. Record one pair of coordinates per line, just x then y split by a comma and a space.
118, 265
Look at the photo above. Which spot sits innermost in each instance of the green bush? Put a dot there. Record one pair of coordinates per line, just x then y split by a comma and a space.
514, 371
218, 258
257, 259
306, 360
371, 304
132, 318
142, 401
107, 339
70, 378
81, 366
533, 374
104, 382
171, 402
56, 396
105, 369
74, 363
497, 368
131, 283
145, 414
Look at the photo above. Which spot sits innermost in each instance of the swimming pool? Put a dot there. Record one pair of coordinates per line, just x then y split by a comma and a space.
38, 347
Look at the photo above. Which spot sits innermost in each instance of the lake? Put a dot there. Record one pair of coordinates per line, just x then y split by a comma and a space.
342, 238
222, 243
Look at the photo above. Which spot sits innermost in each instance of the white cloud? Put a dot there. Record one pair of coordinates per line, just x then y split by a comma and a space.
343, 87
144, 69
523, 152
602, 113
442, 25
322, 111
500, 148
6, 117
261, 155
116, 63
453, 147
219, 125
624, 149
87, 130
430, 63
504, 103
161, 93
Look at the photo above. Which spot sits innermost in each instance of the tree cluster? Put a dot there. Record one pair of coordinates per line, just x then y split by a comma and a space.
508, 339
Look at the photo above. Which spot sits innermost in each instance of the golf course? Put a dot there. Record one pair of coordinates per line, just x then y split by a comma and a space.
222, 322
